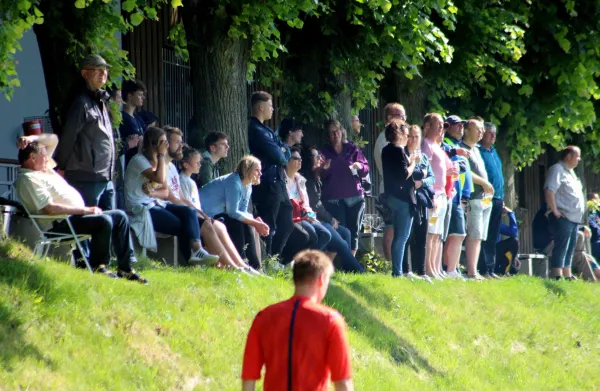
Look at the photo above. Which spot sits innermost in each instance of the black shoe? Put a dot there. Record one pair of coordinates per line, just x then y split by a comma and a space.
572, 278
558, 278
103, 270
132, 276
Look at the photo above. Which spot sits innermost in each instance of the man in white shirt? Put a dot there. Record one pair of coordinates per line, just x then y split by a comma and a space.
42, 191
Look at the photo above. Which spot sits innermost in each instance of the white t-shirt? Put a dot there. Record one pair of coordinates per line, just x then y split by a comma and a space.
173, 180
190, 190
38, 189
134, 180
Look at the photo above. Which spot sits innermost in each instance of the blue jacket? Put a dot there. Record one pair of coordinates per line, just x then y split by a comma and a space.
226, 194
511, 230
269, 149
493, 167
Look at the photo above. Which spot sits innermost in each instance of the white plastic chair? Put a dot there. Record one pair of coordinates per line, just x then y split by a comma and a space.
47, 237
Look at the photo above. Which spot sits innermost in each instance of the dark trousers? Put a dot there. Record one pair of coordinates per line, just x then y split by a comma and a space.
299, 240
275, 209
565, 239
416, 244
487, 256
319, 235
180, 221
109, 228
242, 239
506, 252
340, 244
348, 216
100, 194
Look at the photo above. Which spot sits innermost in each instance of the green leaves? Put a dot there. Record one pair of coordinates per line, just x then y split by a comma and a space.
136, 19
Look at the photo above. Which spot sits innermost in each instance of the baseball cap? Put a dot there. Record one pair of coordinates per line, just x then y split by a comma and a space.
94, 60
453, 120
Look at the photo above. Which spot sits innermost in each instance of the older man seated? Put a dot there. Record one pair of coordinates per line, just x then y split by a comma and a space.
43, 191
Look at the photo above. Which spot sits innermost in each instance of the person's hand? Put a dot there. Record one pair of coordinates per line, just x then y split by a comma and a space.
415, 158
517, 263
463, 152
261, 227
326, 164
418, 184
205, 216
334, 223
24, 141
357, 165
92, 210
488, 188
452, 171
133, 141
60, 172
587, 232
506, 209
163, 147
557, 214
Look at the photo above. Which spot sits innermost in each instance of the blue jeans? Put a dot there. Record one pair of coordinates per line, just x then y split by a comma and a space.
565, 239
402, 220
319, 235
340, 244
180, 221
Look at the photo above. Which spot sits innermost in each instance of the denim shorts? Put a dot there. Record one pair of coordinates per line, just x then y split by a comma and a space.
457, 221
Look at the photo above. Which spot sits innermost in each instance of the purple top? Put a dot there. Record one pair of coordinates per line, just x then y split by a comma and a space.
338, 180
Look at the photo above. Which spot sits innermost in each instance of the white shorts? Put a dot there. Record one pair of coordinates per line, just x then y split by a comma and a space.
440, 226
478, 220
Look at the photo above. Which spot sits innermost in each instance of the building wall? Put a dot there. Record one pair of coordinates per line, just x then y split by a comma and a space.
29, 100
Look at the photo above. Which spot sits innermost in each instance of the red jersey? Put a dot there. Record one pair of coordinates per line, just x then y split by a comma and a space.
319, 346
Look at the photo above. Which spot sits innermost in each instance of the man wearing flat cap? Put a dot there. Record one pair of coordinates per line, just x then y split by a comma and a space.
86, 150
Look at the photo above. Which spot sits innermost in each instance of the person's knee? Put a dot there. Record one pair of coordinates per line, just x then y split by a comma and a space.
105, 223
118, 217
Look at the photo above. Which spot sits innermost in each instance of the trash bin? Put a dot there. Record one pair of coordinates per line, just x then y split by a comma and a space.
6, 212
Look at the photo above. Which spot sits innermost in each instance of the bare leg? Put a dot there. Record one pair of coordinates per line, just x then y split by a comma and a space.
566, 271
453, 249
388, 237
431, 253
556, 272
223, 236
472, 249
597, 275
214, 245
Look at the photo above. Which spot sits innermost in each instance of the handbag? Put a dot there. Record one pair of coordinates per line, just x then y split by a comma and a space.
298, 211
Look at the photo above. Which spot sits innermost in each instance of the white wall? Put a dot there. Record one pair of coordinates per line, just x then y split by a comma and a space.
30, 99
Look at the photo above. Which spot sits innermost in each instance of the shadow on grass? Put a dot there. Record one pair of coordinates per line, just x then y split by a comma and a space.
380, 298
380, 336
19, 273
554, 288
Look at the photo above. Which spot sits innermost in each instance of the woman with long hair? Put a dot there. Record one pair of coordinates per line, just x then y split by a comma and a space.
146, 189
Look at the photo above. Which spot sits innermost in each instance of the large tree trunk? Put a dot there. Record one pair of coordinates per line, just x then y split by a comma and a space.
509, 172
60, 70
343, 106
219, 76
412, 94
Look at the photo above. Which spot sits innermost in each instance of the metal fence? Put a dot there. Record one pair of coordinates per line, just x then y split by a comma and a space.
178, 94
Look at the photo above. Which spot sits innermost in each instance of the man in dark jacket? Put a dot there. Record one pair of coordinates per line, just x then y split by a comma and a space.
86, 152
270, 197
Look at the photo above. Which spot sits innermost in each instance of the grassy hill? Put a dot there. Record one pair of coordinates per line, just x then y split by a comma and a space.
62, 329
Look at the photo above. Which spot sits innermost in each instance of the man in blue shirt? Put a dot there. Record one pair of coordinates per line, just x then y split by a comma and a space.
270, 197
493, 167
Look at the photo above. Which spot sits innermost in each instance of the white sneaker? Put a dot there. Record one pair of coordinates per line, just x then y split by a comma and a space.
412, 276
203, 258
426, 278
454, 276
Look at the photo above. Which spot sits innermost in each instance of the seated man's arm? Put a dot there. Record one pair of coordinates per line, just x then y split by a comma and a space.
49, 140
63, 209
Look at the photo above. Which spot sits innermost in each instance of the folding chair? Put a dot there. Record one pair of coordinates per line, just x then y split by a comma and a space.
47, 237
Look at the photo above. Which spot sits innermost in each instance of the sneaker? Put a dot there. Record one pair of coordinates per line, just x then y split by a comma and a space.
494, 275
476, 277
454, 276
412, 276
132, 276
203, 258
426, 278
103, 270
571, 278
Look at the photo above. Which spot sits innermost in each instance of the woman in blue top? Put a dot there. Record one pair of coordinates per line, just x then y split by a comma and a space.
227, 198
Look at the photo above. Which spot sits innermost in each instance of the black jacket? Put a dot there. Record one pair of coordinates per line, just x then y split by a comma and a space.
86, 148
313, 188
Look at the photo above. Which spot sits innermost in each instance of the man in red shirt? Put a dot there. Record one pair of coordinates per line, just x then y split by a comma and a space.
302, 343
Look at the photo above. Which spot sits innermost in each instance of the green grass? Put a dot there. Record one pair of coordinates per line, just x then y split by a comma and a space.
62, 329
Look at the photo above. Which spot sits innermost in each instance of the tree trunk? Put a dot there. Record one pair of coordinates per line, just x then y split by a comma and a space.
509, 172
60, 71
412, 94
343, 106
219, 68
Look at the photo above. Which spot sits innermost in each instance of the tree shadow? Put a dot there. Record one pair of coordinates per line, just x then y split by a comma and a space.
20, 273
380, 298
380, 336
